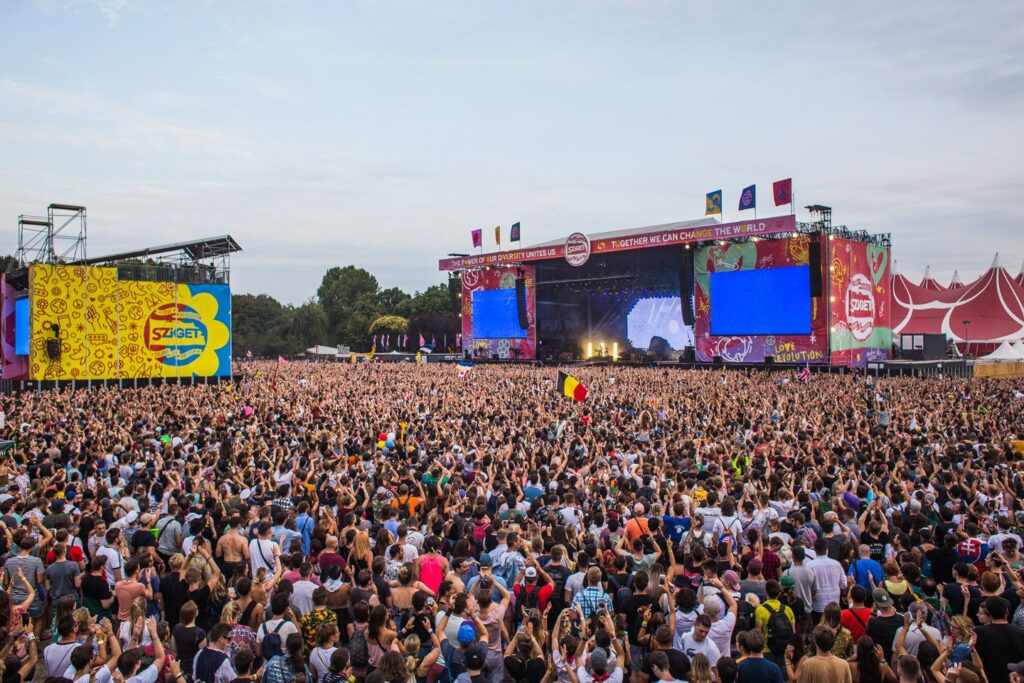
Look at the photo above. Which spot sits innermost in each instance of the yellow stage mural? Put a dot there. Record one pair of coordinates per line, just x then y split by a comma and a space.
123, 329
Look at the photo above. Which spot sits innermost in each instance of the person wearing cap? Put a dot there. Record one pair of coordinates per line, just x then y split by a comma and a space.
722, 625
526, 584
884, 624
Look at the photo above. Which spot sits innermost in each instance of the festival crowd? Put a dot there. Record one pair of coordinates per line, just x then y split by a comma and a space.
399, 523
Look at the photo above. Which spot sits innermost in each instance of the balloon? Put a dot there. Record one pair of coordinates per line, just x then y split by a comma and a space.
391, 436
165, 438
390, 443
382, 437
380, 444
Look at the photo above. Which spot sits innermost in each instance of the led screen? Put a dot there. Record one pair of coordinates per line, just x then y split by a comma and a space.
21, 327
659, 316
765, 301
495, 315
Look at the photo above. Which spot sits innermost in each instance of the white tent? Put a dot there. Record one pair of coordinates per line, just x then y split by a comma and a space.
1018, 346
322, 351
1005, 352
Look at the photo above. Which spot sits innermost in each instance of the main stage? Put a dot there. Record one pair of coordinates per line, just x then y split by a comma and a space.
770, 291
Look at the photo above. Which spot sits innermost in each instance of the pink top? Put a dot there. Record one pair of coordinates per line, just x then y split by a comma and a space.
432, 571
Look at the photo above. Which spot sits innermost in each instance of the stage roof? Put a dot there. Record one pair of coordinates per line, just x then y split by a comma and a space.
667, 234
210, 247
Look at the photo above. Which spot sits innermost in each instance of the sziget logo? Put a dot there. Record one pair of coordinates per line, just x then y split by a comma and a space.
175, 334
860, 307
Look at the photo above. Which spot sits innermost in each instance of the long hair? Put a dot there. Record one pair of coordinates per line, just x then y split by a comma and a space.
868, 666
700, 670
65, 607
361, 546
412, 649
293, 646
138, 614
393, 667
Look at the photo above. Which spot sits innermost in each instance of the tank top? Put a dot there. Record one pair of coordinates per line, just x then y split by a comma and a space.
431, 572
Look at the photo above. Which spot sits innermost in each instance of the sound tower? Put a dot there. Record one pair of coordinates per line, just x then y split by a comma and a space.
686, 288
524, 321
814, 261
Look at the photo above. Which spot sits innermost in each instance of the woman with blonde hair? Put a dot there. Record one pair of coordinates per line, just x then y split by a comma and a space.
135, 628
361, 556
421, 668
700, 670
242, 635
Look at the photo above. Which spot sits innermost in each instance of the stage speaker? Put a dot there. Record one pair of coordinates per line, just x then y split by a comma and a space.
53, 349
717, 360
769, 360
686, 288
814, 261
524, 320
689, 355
659, 348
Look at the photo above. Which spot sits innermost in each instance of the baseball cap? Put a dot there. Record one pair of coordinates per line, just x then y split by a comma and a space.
787, 582
881, 597
485, 560
467, 633
474, 659
531, 572
599, 660
1017, 668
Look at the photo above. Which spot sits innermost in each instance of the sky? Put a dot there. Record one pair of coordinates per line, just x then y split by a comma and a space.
380, 133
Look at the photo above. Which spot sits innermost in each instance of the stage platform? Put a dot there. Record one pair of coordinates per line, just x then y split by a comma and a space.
14, 386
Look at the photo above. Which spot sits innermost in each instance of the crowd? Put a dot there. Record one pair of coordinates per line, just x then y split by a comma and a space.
399, 523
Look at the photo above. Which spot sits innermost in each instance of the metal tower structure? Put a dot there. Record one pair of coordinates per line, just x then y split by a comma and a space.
59, 237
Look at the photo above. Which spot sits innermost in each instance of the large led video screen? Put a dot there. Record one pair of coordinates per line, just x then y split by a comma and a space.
495, 315
21, 327
763, 301
658, 316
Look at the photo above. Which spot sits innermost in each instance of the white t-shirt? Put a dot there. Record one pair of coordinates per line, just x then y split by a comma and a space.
705, 647
261, 555
114, 562
320, 658
287, 628
103, 675
57, 657
147, 675
584, 676
721, 631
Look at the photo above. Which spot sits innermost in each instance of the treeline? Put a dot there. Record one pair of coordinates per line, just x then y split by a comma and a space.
347, 304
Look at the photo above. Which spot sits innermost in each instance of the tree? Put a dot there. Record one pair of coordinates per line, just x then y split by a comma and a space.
393, 301
349, 298
253, 321
434, 299
389, 324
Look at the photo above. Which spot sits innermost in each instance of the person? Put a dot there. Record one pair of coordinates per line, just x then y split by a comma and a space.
777, 624
822, 666
129, 663
696, 641
829, 579
63, 576
188, 638
856, 616
211, 664
869, 664
884, 624
754, 668
997, 642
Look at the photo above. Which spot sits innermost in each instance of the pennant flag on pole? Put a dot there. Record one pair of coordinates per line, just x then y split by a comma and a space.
433, 341
478, 238
497, 235
571, 387
405, 342
748, 198
248, 354
375, 340
713, 203
281, 361
783, 191
805, 374
458, 340
423, 342
514, 233
465, 367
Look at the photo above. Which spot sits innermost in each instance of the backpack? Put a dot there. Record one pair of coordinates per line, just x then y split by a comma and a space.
358, 649
780, 630
745, 619
404, 509
527, 600
272, 645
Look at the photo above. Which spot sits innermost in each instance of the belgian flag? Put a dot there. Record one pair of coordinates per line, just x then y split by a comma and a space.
571, 387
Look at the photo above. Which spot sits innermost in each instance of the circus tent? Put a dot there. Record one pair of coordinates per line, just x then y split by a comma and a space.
985, 312
929, 283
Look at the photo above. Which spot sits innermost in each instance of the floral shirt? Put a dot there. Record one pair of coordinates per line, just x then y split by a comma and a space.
311, 623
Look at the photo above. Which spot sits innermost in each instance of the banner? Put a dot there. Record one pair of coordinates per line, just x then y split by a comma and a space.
499, 278
125, 329
14, 366
792, 251
860, 329
656, 236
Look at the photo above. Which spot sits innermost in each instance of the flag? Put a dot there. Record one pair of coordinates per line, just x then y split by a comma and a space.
571, 387
405, 342
748, 198
514, 233
375, 339
423, 342
497, 235
444, 342
478, 238
281, 361
464, 368
248, 354
458, 340
433, 341
373, 350
783, 191
713, 203
805, 374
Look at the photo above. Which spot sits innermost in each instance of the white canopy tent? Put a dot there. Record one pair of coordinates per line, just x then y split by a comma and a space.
1005, 352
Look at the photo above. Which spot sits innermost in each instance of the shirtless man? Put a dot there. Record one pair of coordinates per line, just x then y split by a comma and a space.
233, 549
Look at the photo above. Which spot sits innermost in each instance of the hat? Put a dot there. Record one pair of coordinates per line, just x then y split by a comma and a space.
1017, 668
474, 659
467, 633
755, 566
787, 581
881, 597
531, 572
599, 660
485, 560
